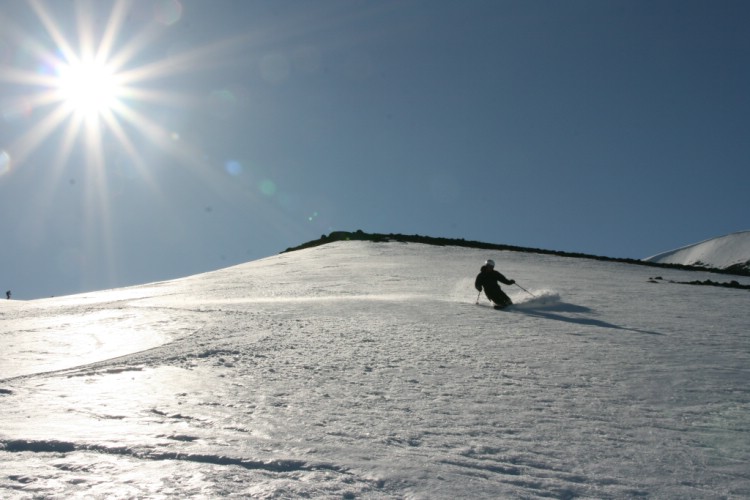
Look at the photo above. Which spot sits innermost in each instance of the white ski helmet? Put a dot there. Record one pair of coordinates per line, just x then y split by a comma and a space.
490, 263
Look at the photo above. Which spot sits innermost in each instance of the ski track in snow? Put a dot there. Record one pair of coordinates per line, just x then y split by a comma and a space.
366, 370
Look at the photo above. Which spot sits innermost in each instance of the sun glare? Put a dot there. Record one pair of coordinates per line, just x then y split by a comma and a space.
88, 88
96, 81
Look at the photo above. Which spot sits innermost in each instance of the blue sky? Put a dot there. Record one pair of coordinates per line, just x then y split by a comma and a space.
237, 129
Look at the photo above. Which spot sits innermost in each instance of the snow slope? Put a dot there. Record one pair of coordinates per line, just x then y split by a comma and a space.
718, 253
366, 370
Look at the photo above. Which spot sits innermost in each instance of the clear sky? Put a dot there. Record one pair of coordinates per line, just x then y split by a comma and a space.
154, 139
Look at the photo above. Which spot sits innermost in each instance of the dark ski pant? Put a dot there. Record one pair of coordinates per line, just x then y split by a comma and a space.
498, 297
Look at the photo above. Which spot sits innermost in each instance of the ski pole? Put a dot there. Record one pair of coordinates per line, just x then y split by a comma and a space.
522, 288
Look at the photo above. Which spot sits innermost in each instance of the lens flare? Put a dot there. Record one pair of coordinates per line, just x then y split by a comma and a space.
4, 162
92, 84
268, 187
99, 83
233, 168
168, 12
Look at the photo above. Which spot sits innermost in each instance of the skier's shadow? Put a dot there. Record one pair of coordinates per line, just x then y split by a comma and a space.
552, 312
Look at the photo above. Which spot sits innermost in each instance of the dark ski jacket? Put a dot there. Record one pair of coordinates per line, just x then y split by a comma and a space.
488, 278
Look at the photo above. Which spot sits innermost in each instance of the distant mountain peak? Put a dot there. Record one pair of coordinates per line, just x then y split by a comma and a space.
730, 253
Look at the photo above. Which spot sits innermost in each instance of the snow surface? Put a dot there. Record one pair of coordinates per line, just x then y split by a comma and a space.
718, 253
367, 370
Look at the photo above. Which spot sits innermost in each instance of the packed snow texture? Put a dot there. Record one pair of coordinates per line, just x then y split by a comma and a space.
374, 370
717, 253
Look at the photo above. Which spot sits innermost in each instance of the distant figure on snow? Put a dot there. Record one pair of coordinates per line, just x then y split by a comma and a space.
7, 294
488, 279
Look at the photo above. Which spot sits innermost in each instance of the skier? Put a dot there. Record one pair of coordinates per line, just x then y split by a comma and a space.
488, 279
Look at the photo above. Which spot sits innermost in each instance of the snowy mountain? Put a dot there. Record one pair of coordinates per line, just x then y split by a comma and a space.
730, 252
361, 369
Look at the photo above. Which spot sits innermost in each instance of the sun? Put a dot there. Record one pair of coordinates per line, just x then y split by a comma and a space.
97, 84
94, 82
88, 88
